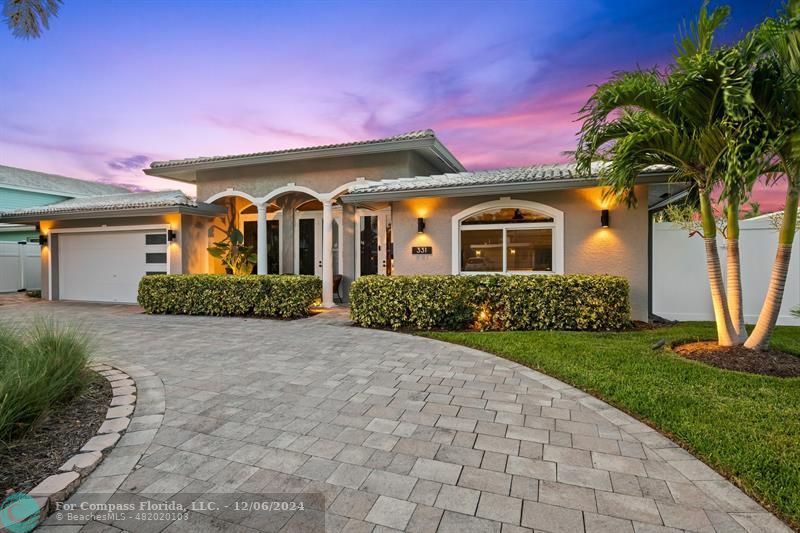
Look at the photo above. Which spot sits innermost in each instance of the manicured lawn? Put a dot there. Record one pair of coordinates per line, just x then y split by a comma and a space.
746, 427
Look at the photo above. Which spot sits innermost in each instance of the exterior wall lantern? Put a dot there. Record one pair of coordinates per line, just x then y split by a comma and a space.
42, 240
604, 218
420, 225
171, 235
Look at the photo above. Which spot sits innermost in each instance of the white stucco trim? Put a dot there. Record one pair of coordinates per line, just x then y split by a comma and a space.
345, 187
98, 229
290, 187
232, 192
557, 225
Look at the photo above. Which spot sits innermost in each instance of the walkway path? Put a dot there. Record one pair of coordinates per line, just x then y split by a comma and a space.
398, 432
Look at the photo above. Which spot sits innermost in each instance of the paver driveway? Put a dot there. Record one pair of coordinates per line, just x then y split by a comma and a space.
398, 432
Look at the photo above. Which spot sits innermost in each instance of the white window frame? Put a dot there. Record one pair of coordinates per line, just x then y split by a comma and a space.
557, 227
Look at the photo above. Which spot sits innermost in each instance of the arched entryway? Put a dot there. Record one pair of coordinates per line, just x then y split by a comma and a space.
238, 207
297, 230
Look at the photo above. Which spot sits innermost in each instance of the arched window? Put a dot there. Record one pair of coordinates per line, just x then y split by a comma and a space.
508, 237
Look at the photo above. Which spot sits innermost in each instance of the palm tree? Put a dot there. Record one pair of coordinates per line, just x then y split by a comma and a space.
28, 18
775, 89
676, 118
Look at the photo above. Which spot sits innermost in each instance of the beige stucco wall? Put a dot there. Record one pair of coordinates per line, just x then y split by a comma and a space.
321, 175
193, 239
620, 249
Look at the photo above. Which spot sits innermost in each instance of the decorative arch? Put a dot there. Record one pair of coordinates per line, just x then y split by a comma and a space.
343, 188
557, 225
291, 187
232, 192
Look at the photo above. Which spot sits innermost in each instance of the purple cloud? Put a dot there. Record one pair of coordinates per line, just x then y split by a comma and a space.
134, 162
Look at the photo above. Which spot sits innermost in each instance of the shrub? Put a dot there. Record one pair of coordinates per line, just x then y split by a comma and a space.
537, 302
39, 367
221, 295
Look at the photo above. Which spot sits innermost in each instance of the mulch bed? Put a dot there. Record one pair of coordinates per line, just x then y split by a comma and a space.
29, 459
769, 363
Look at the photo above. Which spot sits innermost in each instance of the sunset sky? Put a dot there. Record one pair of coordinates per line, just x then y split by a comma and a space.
114, 85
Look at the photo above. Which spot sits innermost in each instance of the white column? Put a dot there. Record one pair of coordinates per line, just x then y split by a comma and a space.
327, 254
261, 237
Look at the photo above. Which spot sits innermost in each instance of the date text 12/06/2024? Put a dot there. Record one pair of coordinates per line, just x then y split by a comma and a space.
258, 511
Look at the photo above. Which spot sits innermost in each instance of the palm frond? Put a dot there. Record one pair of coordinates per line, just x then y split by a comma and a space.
698, 37
28, 18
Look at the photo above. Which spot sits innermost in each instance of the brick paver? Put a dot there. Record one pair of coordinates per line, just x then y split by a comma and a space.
396, 431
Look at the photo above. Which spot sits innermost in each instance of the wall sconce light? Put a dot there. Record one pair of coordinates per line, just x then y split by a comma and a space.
420, 225
171, 235
42, 240
604, 218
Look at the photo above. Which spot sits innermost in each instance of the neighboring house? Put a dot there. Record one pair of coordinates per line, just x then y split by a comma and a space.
19, 249
21, 188
393, 206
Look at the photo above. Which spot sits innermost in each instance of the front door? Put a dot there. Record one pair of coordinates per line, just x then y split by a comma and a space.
373, 243
308, 243
250, 232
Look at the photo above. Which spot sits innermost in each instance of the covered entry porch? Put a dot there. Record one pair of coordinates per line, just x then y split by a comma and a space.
295, 230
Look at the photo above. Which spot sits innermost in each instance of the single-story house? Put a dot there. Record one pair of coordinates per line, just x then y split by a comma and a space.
391, 206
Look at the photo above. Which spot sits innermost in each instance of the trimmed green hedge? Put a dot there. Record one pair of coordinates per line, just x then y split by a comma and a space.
222, 295
491, 302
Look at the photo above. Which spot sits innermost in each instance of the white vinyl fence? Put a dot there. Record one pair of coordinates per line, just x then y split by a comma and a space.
680, 282
20, 266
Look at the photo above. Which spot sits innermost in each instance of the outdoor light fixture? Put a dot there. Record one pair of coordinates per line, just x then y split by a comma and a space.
420, 225
42, 240
604, 218
171, 235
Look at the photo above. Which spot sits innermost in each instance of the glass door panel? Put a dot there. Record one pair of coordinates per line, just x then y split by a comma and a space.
368, 247
308, 243
306, 246
273, 246
250, 232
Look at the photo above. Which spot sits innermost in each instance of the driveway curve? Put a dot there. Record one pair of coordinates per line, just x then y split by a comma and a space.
398, 433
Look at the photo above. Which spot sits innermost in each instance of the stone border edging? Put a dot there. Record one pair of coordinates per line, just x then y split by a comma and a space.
58, 487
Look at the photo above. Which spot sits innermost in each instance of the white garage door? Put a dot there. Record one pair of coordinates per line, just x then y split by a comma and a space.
107, 266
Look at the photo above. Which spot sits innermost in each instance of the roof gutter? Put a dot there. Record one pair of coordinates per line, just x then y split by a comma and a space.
207, 210
432, 144
669, 200
15, 227
490, 188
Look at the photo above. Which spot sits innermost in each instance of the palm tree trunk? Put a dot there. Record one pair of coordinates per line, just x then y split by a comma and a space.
734, 282
759, 339
718, 298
